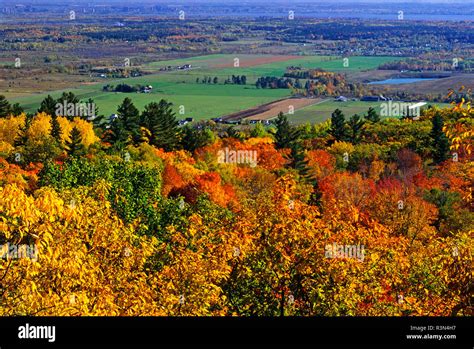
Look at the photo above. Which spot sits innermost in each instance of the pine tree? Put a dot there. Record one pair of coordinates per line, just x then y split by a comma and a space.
75, 147
288, 136
298, 160
126, 128
372, 115
69, 97
5, 107
285, 134
440, 142
355, 123
48, 106
149, 116
16, 109
56, 129
194, 138
118, 135
338, 125
22, 136
161, 121
91, 103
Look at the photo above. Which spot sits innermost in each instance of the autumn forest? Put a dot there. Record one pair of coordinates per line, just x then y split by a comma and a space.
297, 165
141, 216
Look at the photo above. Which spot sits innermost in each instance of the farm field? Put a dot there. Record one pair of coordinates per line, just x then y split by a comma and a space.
223, 61
204, 101
320, 112
199, 101
284, 106
271, 110
277, 68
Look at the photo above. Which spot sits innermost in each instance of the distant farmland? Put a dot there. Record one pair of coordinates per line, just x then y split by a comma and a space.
320, 112
204, 101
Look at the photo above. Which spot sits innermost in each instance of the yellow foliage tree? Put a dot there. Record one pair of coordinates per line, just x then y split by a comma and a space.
40, 126
86, 263
9, 128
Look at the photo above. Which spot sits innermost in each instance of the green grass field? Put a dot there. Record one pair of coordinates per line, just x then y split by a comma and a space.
199, 101
278, 68
204, 101
320, 112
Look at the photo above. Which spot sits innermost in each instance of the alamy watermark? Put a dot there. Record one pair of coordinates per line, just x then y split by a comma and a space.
37, 332
229, 156
393, 109
345, 251
11, 251
75, 109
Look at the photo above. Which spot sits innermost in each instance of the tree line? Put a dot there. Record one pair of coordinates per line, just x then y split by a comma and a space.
124, 88
233, 80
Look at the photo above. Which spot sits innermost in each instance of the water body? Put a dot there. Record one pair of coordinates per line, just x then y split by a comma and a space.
399, 81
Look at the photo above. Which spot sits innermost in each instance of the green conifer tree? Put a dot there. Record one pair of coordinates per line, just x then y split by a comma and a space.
74, 147
338, 126
355, 124
372, 115
5, 108
48, 106
440, 142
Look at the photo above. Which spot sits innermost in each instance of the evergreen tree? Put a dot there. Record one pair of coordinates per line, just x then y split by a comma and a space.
160, 120
355, 123
74, 147
5, 107
48, 106
285, 134
22, 137
127, 129
117, 135
68, 98
289, 137
338, 125
372, 115
440, 142
16, 109
150, 117
99, 121
298, 159
194, 138
56, 129
91, 102
166, 132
